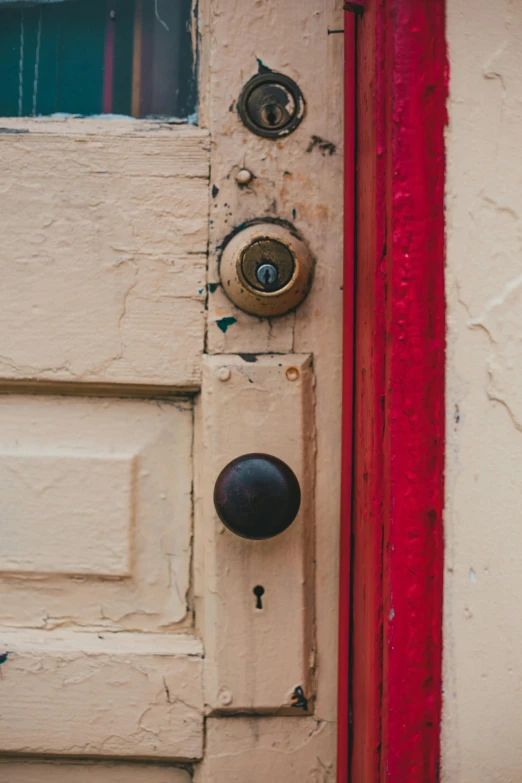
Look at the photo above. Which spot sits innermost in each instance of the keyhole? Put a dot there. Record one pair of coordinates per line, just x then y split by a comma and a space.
259, 591
267, 274
272, 115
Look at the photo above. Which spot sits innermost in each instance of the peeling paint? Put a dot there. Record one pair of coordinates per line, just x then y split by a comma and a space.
262, 68
482, 632
299, 700
502, 321
225, 323
326, 147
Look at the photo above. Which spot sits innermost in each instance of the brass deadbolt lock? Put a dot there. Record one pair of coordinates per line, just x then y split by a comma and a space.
266, 269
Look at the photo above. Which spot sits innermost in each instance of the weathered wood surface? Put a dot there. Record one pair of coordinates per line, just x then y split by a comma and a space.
103, 255
104, 695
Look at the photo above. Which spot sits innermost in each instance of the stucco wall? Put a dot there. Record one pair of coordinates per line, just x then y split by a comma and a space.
482, 723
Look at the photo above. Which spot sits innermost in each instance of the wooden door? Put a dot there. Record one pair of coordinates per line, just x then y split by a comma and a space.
134, 644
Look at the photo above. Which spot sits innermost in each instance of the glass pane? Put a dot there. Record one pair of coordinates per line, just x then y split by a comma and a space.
88, 57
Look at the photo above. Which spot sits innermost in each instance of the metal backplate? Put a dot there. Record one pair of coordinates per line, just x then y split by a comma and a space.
258, 643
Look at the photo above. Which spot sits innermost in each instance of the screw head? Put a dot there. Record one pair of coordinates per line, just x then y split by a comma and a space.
244, 176
224, 374
225, 698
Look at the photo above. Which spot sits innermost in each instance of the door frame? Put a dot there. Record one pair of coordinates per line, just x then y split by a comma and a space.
390, 641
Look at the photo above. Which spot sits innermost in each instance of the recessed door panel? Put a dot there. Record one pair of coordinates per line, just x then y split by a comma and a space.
96, 512
104, 242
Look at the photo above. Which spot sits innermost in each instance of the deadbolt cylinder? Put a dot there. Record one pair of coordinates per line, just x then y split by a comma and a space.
271, 105
266, 269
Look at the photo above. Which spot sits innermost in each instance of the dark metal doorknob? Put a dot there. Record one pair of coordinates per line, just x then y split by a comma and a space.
257, 496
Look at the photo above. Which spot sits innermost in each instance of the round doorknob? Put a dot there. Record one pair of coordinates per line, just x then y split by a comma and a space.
257, 496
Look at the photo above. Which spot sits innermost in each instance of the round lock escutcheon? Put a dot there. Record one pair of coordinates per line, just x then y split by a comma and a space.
271, 105
266, 269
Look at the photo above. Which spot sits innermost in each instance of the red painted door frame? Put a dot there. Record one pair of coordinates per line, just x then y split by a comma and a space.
391, 544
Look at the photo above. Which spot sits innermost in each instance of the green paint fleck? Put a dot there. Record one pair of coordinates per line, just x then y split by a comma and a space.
212, 287
294, 213
262, 68
224, 323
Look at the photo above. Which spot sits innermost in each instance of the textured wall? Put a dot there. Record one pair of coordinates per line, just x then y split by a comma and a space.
482, 724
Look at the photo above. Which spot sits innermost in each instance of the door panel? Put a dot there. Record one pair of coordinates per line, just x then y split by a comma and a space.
96, 512
105, 694
106, 238
275, 749
82, 772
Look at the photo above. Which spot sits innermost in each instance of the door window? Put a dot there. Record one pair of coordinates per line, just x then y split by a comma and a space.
91, 57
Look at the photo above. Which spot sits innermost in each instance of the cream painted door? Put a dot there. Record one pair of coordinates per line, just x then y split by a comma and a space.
133, 646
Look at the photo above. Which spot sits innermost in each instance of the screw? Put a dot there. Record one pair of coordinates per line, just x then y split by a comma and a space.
225, 698
267, 274
224, 373
243, 177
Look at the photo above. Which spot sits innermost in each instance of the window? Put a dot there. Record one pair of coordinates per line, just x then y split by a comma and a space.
90, 57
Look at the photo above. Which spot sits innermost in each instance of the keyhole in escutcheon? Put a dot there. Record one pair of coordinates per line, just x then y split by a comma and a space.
259, 591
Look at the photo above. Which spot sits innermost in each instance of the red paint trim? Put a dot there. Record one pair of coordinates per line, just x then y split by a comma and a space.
399, 393
343, 707
108, 71
415, 405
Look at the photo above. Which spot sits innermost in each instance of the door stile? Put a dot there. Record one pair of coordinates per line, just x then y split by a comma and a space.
343, 703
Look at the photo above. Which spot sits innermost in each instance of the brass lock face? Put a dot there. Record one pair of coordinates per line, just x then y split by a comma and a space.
267, 265
266, 269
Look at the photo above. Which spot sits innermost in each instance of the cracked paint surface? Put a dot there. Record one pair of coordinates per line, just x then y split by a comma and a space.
483, 584
89, 504
277, 749
502, 321
151, 705
106, 239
